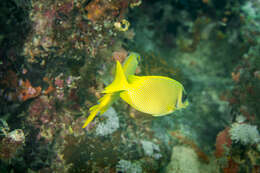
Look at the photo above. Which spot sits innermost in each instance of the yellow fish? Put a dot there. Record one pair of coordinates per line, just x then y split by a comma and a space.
155, 95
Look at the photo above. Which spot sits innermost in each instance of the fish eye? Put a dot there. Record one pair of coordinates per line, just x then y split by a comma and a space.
184, 96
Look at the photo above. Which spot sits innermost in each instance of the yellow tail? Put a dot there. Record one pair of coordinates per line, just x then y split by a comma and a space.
104, 103
113, 90
93, 112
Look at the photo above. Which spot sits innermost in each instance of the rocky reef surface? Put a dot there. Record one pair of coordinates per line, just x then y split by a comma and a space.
56, 56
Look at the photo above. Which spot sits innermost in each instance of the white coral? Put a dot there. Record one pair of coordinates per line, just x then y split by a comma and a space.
244, 133
110, 125
128, 167
151, 149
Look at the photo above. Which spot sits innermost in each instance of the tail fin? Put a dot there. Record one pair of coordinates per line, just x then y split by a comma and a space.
93, 112
104, 103
120, 82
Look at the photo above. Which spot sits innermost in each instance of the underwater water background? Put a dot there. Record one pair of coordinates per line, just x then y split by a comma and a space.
57, 56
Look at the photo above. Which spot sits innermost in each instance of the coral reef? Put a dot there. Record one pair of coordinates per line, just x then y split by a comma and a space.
111, 124
57, 55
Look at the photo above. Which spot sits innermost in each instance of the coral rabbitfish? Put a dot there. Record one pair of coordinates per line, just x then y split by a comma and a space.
155, 95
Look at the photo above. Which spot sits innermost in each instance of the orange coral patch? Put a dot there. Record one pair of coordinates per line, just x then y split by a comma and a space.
27, 91
223, 139
50, 88
99, 9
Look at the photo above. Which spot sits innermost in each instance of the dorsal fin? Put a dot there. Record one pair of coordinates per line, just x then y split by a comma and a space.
120, 83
